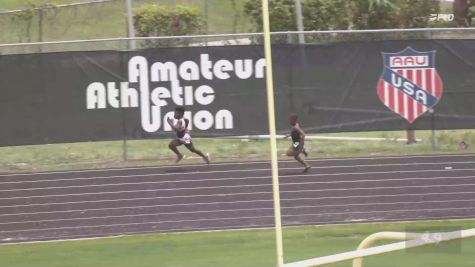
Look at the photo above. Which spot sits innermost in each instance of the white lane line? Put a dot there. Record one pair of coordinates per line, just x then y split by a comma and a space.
375, 188
228, 218
283, 184
405, 220
156, 174
240, 193
232, 210
142, 191
379, 203
231, 202
239, 163
379, 196
378, 211
173, 231
251, 201
136, 207
234, 179
142, 183
134, 215
71, 239
137, 168
134, 199
250, 227
130, 224
228, 171
156, 190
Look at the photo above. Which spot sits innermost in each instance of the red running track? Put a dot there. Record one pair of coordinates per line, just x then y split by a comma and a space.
94, 203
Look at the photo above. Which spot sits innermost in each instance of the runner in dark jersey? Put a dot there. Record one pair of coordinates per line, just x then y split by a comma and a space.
182, 135
298, 141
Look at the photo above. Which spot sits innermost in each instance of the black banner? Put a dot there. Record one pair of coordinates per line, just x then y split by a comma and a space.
109, 95
335, 86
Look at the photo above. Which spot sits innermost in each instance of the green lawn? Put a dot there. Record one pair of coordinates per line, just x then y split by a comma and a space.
21, 4
155, 152
106, 20
12, 4
248, 248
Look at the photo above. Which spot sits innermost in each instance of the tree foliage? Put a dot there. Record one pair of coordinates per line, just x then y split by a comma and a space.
281, 14
381, 14
35, 10
326, 15
471, 13
344, 14
464, 11
317, 14
155, 20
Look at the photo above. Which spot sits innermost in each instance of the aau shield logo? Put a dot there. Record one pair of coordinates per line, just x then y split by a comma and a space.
410, 84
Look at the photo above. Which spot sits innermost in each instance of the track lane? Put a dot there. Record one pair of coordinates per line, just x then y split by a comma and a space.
56, 205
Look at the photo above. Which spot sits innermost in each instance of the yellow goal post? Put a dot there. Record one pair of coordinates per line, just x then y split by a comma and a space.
413, 240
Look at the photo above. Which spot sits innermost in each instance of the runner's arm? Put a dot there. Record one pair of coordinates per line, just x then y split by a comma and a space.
302, 135
177, 126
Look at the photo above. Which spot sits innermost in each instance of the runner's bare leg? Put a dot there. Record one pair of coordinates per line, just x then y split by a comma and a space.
173, 147
301, 161
192, 148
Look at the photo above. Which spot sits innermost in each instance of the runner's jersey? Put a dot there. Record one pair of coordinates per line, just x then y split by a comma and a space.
184, 127
295, 134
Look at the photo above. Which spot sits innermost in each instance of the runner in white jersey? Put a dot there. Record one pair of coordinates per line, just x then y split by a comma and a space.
180, 125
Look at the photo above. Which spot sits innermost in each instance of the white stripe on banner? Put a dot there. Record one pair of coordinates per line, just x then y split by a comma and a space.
424, 86
396, 100
386, 92
406, 106
432, 89
415, 76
